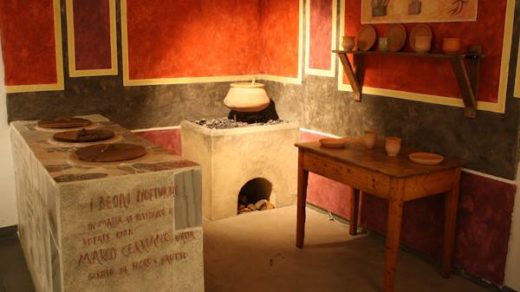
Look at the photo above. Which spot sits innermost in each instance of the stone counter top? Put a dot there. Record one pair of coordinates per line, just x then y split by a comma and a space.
126, 226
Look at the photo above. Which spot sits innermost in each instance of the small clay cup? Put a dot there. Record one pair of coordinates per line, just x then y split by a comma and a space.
451, 45
370, 139
392, 146
349, 42
423, 44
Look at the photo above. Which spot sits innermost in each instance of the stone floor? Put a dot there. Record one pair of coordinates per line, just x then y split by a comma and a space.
255, 252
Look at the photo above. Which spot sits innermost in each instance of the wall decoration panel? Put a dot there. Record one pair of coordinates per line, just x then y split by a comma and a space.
281, 40
418, 11
91, 36
320, 37
31, 44
166, 42
433, 81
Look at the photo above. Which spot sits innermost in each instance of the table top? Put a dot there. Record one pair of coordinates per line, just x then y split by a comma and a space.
376, 159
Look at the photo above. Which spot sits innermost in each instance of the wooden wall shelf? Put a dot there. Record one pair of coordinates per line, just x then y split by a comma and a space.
465, 66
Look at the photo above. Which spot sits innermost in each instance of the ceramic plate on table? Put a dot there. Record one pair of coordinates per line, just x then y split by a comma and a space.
426, 158
366, 37
333, 142
396, 34
419, 30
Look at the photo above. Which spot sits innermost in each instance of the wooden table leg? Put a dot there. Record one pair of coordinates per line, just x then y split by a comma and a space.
354, 212
450, 219
303, 176
395, 215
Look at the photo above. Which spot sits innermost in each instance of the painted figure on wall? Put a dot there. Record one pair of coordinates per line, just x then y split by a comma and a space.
379, 7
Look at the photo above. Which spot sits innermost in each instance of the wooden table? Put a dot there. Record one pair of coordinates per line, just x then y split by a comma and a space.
395, 179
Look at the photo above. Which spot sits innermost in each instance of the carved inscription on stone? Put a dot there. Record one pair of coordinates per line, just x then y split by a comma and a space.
123, 238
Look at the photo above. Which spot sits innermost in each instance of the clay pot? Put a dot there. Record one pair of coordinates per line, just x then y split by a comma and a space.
423, 44
349, 42
451, 45
392, 146
247, 97
370, 139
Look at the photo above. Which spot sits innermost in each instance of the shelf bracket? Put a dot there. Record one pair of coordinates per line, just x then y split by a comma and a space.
352, 75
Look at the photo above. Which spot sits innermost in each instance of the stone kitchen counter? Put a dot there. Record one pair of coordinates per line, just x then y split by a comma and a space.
121, 226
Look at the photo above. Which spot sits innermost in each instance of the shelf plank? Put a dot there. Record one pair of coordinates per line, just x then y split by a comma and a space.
467, 77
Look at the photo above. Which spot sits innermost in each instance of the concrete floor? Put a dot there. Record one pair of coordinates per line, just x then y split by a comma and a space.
256, 252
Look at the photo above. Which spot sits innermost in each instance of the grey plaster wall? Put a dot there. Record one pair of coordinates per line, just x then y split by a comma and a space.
489, 143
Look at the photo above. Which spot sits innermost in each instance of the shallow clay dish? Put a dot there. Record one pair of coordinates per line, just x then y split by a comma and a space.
110, 152
83, 136
419, 30
64, 123
426, 158
366, 37
333, 142
396, 34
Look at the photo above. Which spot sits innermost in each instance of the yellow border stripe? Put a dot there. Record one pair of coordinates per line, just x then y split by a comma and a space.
517, 79
498, 106
59, 60
73, 72
185, 80
320, 72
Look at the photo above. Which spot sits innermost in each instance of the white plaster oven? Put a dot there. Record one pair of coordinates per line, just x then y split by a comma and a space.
229, 158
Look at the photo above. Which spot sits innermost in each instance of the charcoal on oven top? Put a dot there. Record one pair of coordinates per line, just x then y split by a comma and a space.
226, 123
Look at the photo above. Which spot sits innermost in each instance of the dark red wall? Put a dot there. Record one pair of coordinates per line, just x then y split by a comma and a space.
28, 42
92, 34
320, 34
432, 76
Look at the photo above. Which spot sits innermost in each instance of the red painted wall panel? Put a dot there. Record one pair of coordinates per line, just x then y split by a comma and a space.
192, 38
320, 34
279, 37
92, 34
431, 76
169, 139
28, 43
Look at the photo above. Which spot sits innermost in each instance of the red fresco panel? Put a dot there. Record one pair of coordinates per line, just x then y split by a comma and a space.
169, 139
279, 22
28, 43
432, 76
195, 38
320, 34
92, 34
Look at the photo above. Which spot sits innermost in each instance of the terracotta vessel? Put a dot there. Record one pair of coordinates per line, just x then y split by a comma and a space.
370, 139
451, 45
349, 42
392, 146
423, 44
247, 97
